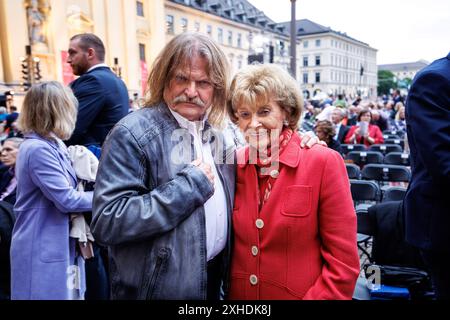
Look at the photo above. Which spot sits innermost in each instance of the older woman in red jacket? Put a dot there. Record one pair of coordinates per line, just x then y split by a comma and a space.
294, 222
364, 133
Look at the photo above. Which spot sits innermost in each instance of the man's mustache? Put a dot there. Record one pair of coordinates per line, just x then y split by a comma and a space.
183, 98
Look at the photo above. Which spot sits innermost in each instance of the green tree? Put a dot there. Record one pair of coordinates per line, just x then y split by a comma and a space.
386, 81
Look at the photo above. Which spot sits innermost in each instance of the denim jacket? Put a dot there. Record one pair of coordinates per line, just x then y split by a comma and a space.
148, 207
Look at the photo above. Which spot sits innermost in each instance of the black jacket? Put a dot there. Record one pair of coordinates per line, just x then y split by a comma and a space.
6, 174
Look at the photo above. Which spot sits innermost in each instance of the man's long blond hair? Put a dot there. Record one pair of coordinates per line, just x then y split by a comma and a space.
177, 54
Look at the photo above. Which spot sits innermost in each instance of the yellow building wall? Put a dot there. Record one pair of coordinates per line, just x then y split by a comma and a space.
13, 36
2, 78
116, 22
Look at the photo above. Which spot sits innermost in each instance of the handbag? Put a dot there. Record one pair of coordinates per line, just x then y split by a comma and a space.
417, 281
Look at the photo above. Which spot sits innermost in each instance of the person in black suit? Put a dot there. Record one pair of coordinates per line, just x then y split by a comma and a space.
427, 203
102, 96
102, 101
341, 130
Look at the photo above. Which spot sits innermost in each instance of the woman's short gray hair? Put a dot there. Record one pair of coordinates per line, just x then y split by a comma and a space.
15, 140
256, 85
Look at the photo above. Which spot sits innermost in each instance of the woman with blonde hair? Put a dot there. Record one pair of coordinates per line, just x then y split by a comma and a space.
44, 263
293, 219
400, 119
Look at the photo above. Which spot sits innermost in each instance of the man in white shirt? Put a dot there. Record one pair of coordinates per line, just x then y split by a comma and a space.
341, 130
166, 215
165, 187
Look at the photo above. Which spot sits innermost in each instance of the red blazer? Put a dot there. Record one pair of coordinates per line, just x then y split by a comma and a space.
374, 132
306, 248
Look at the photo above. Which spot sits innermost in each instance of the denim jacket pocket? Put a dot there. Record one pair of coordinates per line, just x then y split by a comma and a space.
151, 281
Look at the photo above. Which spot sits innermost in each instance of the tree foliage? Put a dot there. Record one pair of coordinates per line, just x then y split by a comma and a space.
386, 81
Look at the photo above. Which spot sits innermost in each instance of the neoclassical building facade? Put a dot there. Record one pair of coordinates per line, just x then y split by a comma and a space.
134, 32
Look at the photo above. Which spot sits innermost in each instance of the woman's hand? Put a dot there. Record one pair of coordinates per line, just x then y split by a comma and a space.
309, 139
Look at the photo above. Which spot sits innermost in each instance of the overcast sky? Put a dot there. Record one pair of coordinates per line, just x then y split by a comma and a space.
401, 30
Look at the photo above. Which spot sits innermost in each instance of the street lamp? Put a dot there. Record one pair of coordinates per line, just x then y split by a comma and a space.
117, 69
293, 41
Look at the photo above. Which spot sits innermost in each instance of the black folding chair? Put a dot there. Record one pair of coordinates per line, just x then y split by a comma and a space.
362, 158
394, 194
386, 172
346, 148
364, 193
365, 231
353, 171
386, 148
397, 158
402, 263
399, 142
390, 136
399, 133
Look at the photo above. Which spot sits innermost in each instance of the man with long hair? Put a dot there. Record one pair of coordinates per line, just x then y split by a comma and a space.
164, 190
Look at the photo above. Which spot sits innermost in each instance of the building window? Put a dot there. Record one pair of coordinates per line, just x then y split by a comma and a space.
187, 2
282, 50
139, 8
141, 52
209, 30
239, 40
317, 77
230, 38
197, 26
305, 61
220, 35
184, 24
318, 43
305, 44
169, 24
317, 60
239, 64
305, 78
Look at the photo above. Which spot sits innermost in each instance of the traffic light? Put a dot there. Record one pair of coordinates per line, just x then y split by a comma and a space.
37, 69
25, 69
26, 77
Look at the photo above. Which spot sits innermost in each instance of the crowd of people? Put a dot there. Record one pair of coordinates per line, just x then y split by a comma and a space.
341, 120
212, 190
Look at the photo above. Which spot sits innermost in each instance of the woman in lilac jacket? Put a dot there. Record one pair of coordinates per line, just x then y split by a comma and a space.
44, 262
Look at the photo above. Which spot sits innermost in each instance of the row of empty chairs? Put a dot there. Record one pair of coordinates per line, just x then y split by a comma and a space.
369, 191
398, 133
383, 148
379, 172
362, 158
